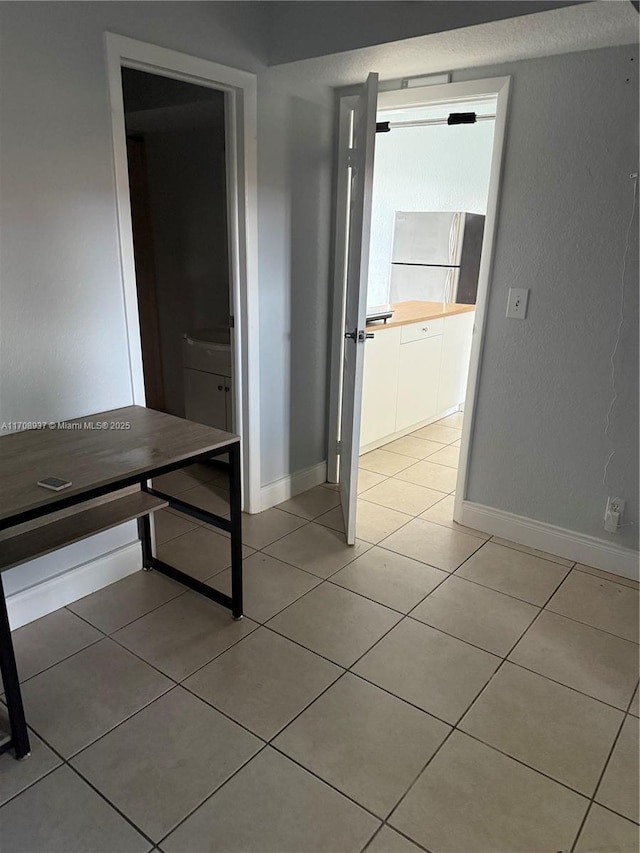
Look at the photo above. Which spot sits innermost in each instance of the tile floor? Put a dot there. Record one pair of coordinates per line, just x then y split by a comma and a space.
429, 689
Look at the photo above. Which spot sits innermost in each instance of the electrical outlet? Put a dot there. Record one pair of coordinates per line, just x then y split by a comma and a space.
613, 514
517, 303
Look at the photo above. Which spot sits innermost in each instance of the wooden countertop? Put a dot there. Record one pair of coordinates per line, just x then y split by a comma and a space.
405, 313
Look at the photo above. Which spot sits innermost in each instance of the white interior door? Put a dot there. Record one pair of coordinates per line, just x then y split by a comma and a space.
357, 228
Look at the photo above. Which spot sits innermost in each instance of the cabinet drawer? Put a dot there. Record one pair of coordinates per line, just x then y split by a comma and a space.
418, 331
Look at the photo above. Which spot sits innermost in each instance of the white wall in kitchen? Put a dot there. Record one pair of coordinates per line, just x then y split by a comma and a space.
432, 167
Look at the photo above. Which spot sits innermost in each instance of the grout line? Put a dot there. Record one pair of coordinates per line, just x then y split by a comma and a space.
183, 590
532, 552
215, 791
592, 799
110, 804
63, 659
588, 625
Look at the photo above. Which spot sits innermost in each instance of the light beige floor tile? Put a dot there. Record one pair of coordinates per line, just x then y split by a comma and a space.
15, 776
390, 841
364, 742
481, 616
456, 443
605, 832
176, 482
442, 513
269, 585
551, 728
207, 472
634, 705
433, 544
162, 763
449, 456
619, 787
316, 549
168, 525
436, 672
334, 519
81, 698
403, 497
454, 420
209, 497
429, 474
200, 553
600, 603
62, 814
335, 623
263, 681
312, 503
620, 579
374, 523
384, 462
513, 572
368, 479
274, 806
184, 634
48, 640
472, 798
389, 578
409, 445
595, 663
122, 602
526, 550
438, 432
263, 528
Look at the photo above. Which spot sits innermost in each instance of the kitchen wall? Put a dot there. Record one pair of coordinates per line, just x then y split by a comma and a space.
63, 335
433, 167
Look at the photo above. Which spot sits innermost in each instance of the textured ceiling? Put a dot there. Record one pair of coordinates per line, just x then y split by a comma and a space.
583, 27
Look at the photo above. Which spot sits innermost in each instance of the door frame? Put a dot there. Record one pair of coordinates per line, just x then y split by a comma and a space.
240, 88
417, 97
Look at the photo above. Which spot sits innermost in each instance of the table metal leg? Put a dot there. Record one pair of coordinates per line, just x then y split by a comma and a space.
13, 696
144, 532
235, 500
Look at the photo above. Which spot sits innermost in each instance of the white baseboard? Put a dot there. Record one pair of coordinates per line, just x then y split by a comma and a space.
29, 604
287, 487
578, 547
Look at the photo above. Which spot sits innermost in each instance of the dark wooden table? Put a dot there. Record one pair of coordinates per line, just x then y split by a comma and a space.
102, 454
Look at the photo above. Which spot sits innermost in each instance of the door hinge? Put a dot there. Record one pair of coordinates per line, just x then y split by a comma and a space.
351, 156
338, 448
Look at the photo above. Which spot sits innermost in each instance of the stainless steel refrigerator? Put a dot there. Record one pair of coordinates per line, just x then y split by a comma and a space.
435, 256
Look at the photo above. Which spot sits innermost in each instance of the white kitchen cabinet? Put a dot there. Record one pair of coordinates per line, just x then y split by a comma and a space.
454, 367
418, 381
414, 374
380, 384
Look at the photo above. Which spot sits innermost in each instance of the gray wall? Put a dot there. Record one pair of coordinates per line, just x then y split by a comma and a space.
63, 343
294, 168
319, 27
539, 448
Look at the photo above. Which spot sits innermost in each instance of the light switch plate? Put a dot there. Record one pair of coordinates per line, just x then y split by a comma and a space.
517, 303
